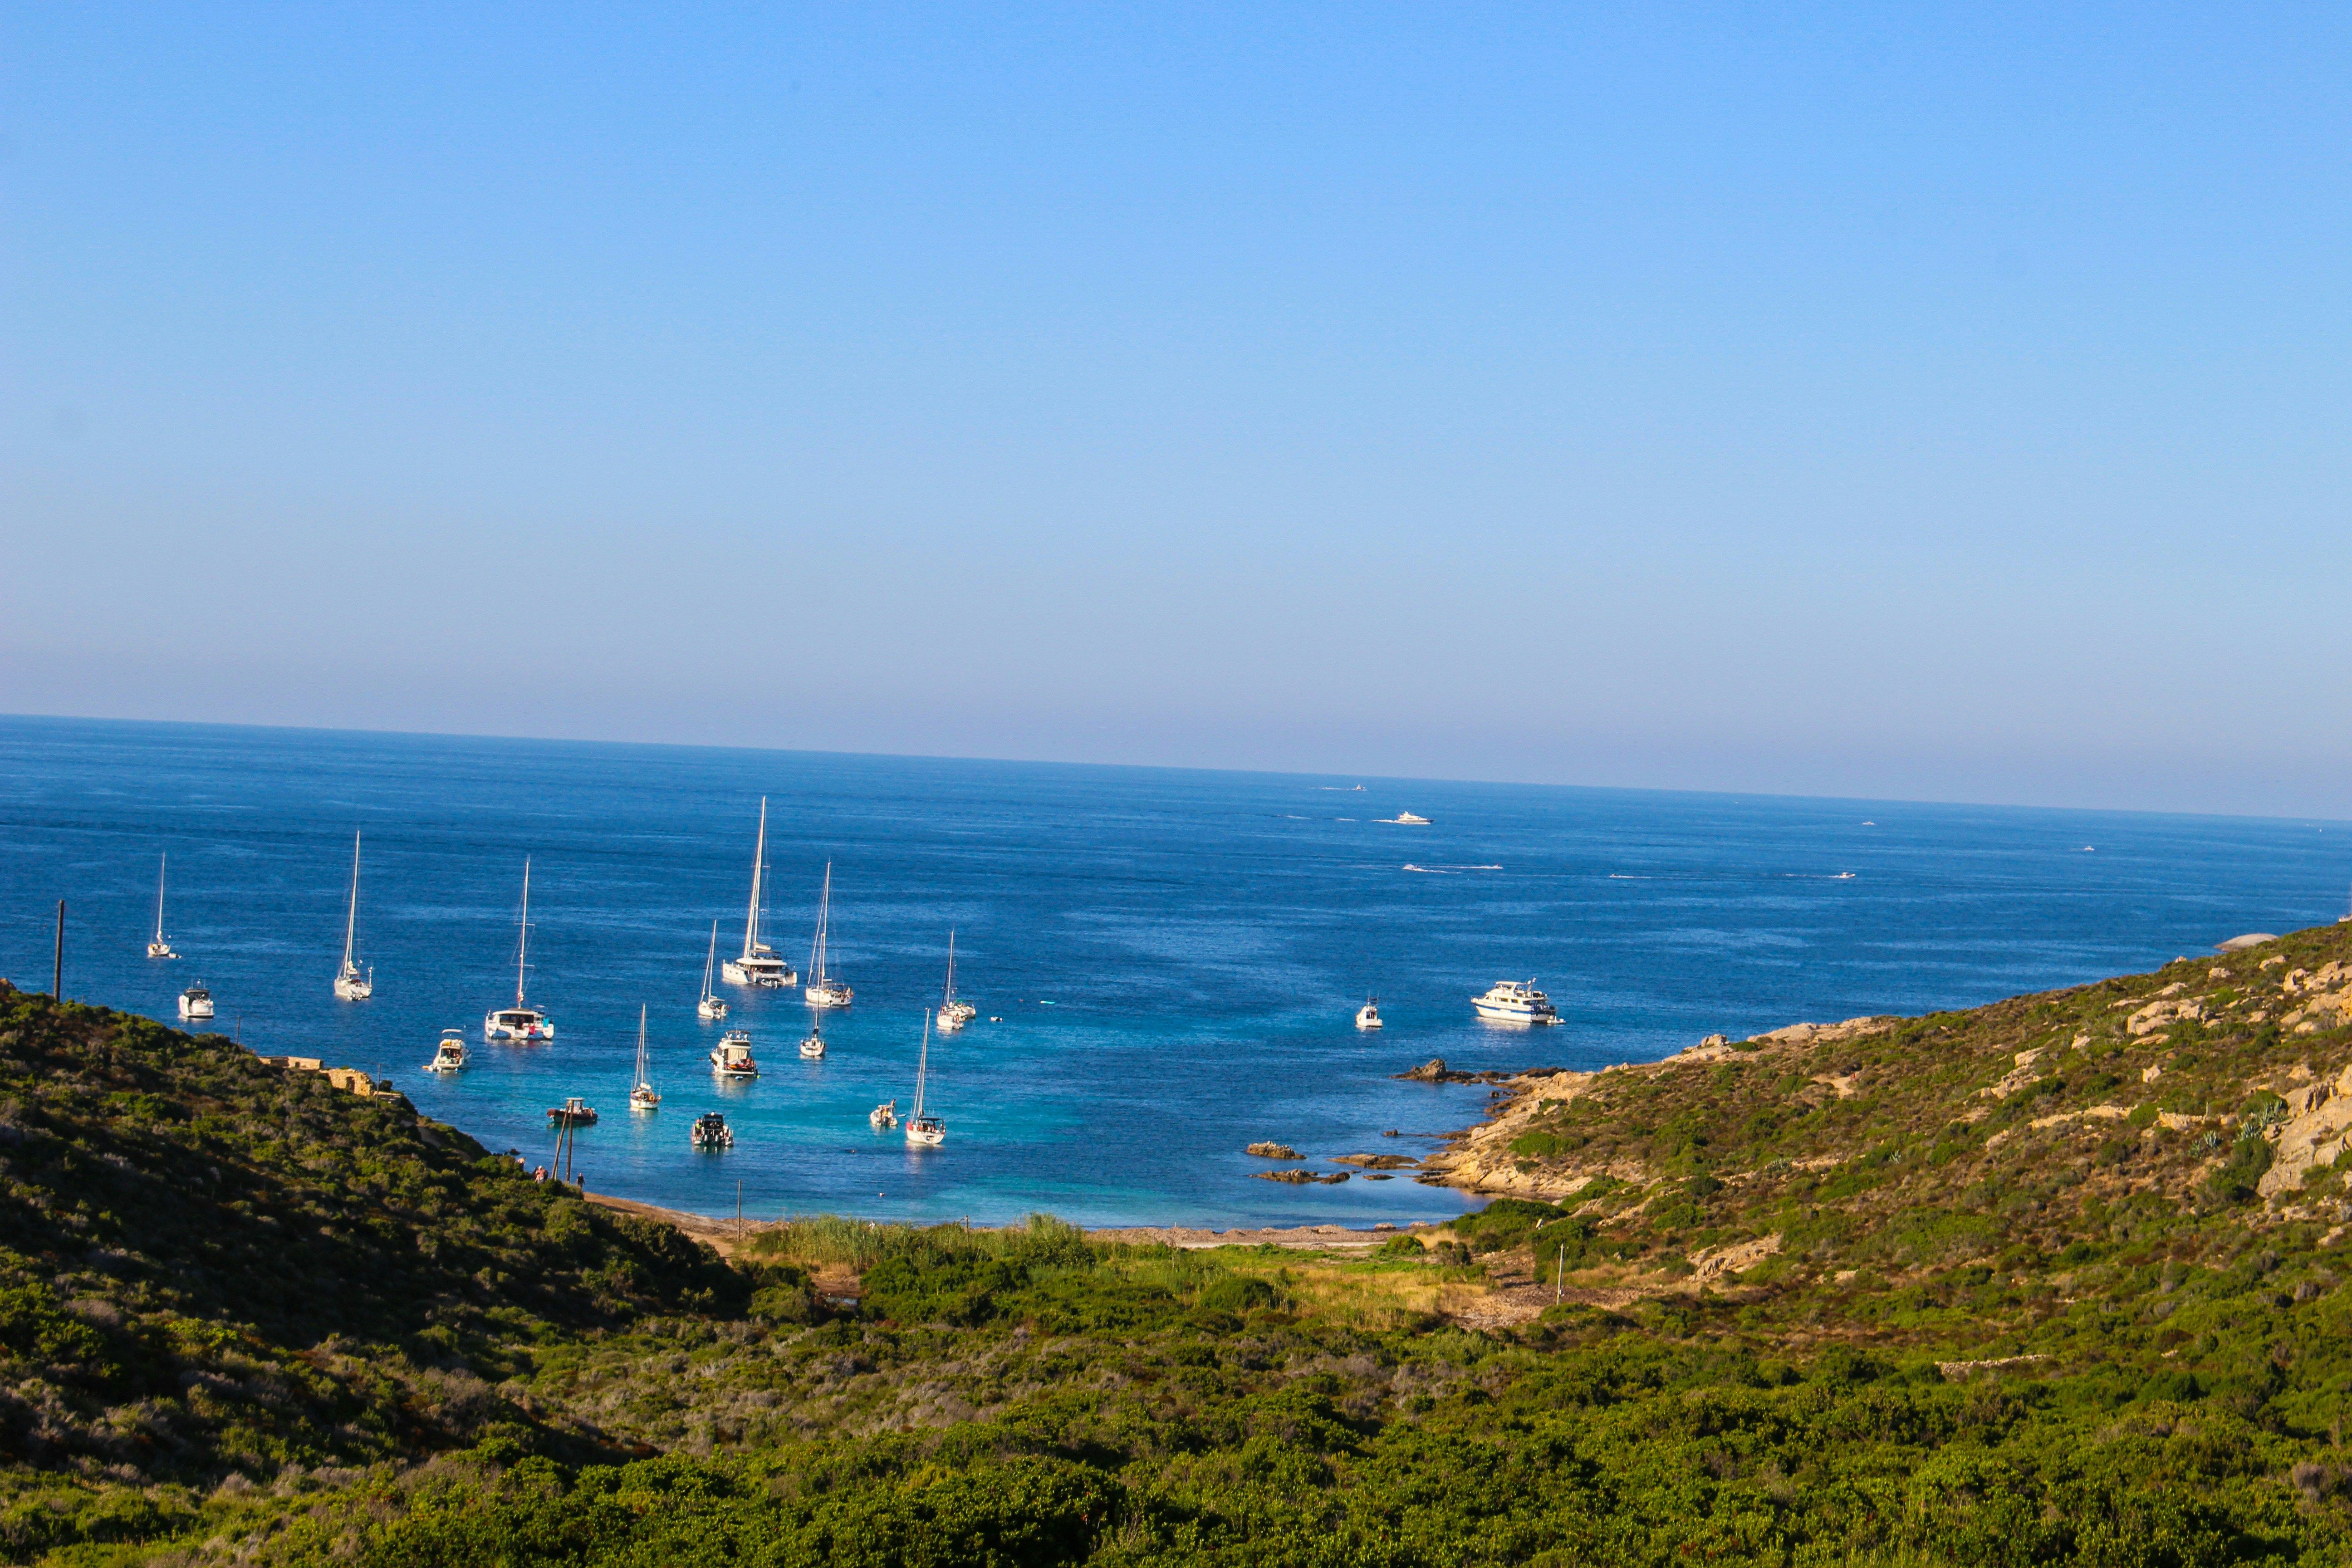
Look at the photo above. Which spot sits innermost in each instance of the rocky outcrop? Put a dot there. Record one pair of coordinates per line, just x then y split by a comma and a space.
1377, 1161
2318, 1119
1434, 1070
1738, 1258
1301, 1178
1272, 1150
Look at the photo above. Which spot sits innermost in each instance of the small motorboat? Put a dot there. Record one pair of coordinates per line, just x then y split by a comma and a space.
712, 1132
883, 1116
197, 1002
450, 1054
813, 1049
1367, 1017
732, 1057
574, 1112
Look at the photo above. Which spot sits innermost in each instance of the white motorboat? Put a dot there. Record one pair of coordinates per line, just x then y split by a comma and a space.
197, 1002
157, 947
925, 1130
712, 1132
954, 1015
732, 1057
883, 1117
1367, 1017
711, 1009
1405, 818
813, 1049
1513, 1002
450, 1055
349, 983
522, 1022
823, 990
759, 966
643, 1096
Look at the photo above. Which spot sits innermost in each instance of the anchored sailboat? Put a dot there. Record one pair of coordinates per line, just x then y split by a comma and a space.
822, 990
522, 1022
927, 1131
954, 1015
759, 966
711, 1009
643, 1096
158, 947
349, 983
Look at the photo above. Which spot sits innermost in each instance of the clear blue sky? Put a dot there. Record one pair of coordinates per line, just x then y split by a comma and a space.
1936, 402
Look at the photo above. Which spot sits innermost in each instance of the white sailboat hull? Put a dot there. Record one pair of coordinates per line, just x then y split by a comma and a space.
833, 995
711, 1009
927, 1133
353, 986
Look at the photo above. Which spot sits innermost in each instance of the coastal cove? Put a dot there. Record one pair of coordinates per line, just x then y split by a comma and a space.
1165, 962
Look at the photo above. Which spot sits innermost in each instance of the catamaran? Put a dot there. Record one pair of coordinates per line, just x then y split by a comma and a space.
157, 947
732, 1056
349, 983
711, 1009
759, 966
1515, 1001
954, 1015
823, 990
928, 1131
522, 1022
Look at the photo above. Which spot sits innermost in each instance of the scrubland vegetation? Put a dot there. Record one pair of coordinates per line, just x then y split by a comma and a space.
1982, 1306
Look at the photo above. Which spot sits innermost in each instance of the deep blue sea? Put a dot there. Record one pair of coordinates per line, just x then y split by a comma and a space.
1166, 963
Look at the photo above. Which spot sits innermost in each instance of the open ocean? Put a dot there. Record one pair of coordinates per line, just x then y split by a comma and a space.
1175, 957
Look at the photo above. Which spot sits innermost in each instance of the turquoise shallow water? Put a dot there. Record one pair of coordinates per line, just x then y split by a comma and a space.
1175, 957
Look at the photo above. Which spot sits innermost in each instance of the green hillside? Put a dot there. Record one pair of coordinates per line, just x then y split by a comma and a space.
1981, 1288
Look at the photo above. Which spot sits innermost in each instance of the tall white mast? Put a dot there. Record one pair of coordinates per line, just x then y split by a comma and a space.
708, 963
159, 866
641, 1048
522, 953
950, 996
759, 864
922, 1065
823, 907
351, 921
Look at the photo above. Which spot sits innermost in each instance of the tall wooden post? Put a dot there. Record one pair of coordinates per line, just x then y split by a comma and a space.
57, 974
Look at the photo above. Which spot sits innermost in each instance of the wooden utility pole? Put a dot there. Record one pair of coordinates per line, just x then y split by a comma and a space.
57, 976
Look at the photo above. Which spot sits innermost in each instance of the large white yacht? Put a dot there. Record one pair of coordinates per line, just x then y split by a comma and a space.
823, 990
732, 1057
1515, 1001
522, 1022
759, 966
197, 1002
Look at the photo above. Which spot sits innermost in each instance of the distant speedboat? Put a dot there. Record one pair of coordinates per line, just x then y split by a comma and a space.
954, 1015
197, 1002
711, 1009
925, 1132
1407, 818
1367, 1017
1511, 1002
450, 1054
643, 1096
732, 1056
522, 1022
574, 1112
349, 983
883, 1117
823, 990
156, 946
759, 966
712, 1132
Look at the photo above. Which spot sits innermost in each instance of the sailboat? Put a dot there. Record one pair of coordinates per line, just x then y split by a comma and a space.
521, 1022
349, 983
158, 947
711, 1009
759, 966
928, 1131
643, 1096
822, 991
954, 1015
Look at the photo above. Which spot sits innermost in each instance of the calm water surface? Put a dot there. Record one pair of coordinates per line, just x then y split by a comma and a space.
1166, 963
